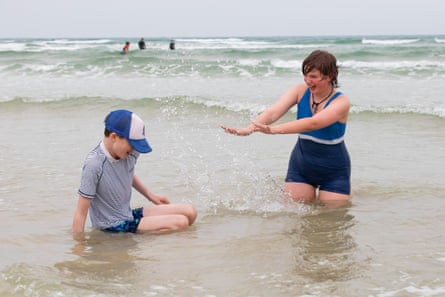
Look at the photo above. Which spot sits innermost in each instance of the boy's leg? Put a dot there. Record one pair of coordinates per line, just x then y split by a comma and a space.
162, 223
186, 210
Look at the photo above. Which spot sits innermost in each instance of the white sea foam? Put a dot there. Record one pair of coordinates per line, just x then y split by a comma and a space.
249, 62
424, 291
402, 109
389, 41
393, 65
81, 41
12, 46
238, 43
290, 64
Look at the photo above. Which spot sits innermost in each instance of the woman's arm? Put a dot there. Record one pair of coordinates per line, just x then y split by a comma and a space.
273, 113
337, 111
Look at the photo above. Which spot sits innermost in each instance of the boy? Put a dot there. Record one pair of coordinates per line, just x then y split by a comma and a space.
107, 181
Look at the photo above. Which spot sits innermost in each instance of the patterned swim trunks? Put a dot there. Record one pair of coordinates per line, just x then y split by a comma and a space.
128, 226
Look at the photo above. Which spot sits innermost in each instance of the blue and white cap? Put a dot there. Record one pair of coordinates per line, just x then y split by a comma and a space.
128, 125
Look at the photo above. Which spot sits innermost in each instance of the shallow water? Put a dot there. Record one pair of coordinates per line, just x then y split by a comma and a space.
248, 240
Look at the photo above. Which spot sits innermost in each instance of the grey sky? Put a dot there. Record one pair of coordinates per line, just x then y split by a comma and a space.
209, 18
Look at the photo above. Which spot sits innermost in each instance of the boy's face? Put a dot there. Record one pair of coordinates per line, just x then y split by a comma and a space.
120, 147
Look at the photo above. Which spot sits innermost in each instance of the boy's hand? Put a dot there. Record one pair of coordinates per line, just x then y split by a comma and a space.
158, 199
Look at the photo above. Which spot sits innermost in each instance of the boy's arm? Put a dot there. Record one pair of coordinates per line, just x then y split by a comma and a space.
141, 188
81, 214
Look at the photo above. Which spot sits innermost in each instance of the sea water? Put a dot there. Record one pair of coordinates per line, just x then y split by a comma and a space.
248, 239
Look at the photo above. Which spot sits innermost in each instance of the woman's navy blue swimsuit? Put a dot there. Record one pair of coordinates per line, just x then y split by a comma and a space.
320, 157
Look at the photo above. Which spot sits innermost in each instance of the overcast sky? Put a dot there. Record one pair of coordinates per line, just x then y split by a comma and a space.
225, 18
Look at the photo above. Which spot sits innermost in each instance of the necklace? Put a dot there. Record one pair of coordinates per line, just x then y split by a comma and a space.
315, 104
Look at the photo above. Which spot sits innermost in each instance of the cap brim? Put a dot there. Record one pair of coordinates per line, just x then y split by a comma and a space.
141, 146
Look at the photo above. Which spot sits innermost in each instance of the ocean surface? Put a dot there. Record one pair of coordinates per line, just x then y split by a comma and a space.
248, 240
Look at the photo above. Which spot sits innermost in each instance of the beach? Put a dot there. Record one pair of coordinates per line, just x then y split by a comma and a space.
248, 239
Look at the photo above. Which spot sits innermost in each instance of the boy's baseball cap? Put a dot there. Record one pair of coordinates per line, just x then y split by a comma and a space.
128, 125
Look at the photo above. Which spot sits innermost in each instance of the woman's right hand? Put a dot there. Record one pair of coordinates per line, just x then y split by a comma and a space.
238, 131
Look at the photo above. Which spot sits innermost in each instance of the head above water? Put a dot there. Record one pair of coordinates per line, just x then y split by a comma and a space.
128, 125
324, 62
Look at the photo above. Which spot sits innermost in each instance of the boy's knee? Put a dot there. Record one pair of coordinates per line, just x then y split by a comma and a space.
182, 222
191, 214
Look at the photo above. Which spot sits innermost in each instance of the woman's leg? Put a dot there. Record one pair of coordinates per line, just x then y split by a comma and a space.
332, 199
300, 192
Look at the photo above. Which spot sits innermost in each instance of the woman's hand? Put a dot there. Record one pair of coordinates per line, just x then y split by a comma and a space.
266, 129
238, 131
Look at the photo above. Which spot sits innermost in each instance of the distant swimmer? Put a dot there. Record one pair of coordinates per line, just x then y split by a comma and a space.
141, 44
126, 48
172, 44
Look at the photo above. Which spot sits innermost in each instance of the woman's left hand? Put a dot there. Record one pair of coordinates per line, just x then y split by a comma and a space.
266, 129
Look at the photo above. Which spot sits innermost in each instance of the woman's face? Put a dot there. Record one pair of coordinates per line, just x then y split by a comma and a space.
316, 81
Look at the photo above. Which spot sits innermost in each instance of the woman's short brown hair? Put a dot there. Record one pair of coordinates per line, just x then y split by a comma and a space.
324, 62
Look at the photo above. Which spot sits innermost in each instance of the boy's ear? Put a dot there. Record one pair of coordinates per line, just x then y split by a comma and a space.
113, 136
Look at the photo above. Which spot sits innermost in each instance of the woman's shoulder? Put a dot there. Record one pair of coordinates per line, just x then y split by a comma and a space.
300, 91
301, 87
342, 96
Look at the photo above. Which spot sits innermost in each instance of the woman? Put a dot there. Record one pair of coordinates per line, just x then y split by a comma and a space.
320, 160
